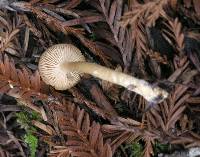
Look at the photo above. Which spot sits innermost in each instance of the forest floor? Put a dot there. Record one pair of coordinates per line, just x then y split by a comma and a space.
154, 40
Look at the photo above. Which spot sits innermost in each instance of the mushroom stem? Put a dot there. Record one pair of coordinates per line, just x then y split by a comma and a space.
141, 87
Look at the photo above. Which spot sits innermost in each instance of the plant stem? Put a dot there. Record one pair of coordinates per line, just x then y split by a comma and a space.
139, 86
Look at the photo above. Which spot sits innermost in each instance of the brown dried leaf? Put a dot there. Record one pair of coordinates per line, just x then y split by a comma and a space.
187, 3
81, 140
146, 11
197, 6
195, 60
174, 33
80, 119
101, 100
148, 150
72, 4
48, 129
94, 133
107, 151
18, 81
86, 124
120, 139
83, 20
112, 11
7, 39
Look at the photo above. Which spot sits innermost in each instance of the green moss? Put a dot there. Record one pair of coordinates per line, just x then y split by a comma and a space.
93, 37
161, 148
136, 149
24, 118
32, 142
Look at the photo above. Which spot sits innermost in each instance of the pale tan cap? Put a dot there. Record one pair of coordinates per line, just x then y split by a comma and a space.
50, 70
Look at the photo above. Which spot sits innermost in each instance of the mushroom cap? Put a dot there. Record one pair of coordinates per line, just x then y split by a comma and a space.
50, 66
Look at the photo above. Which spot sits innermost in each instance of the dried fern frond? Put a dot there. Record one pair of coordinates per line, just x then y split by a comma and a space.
113, 11
83, 137
149, 139
19, 83
140, 43
59, 24
149, 11
65, 5
51, 21
8, 33
122, 130
168, 115
10, 145
31, 26
155, 56
80, 98
188, 139
130, 134
59, 151
192, 3
171, 110
22, 84
174, 33
139, 19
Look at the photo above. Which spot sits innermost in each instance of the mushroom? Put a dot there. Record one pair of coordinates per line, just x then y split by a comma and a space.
62, 65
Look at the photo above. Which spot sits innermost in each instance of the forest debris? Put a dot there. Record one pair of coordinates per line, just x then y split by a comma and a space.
152, 40
191, 152
45, 128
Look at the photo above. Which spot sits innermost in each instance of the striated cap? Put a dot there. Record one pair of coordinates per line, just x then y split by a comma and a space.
50, 66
